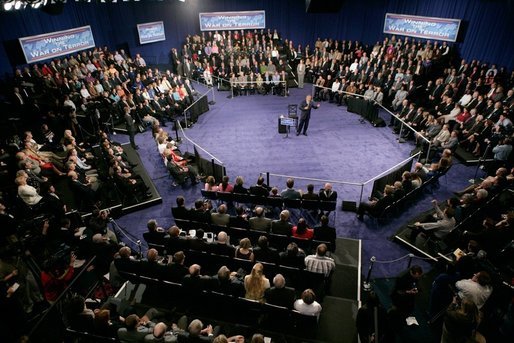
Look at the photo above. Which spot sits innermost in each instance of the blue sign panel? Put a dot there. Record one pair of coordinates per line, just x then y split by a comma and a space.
50, 45
151, 32
422, 27
232, 20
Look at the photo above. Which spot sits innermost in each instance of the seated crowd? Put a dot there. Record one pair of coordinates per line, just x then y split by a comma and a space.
467, 105
249, 62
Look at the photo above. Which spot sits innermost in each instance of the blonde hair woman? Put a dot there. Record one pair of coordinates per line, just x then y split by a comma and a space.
256, 283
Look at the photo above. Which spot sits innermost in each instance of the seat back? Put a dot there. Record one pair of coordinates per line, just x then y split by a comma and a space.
225, 196
275, 202
208, 194
327, 205
310, 205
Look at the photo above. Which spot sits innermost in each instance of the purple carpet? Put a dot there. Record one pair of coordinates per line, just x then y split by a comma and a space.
242, 133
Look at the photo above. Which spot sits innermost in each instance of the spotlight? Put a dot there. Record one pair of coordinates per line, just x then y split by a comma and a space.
17, 5
8, 6
182, 0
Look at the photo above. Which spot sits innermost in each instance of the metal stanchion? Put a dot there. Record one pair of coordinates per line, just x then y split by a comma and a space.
366, 285
411, 256
400, 138
213, 101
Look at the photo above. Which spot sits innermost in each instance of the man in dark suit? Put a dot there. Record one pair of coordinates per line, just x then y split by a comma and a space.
180, 212
239, 220
325, 233
124, 262
82, 191
263, 252
151, 267
175, 242
131, 128
221, 246
259, 222
327, 194
199, 214
175, 271
198, 242
227, 282
282, 226
377, 206
260, 189
305, 115
155, 233
310, 195
279, 294
194, 282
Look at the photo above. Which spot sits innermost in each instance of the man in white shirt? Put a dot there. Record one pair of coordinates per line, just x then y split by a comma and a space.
477, 289
308, 305
443, 226
27, 193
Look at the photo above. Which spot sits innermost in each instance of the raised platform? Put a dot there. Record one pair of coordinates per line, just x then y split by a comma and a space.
468, 158
156, 198
337, 320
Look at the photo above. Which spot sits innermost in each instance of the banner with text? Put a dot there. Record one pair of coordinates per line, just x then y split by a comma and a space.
232, 20
422, 27
151, 32
49, 45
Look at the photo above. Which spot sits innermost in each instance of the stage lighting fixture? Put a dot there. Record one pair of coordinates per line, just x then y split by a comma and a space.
182, 0
8, 5
17, 5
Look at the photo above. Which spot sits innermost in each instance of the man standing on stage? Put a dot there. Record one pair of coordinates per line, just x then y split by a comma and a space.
305, 116
130, 126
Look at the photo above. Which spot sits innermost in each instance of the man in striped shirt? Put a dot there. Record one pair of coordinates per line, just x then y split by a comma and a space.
320, 263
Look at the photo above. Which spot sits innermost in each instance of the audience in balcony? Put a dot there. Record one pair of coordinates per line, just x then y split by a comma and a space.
468, 104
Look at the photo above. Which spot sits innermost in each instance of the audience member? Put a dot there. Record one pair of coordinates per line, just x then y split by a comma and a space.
307, 304
279, 294
256, 283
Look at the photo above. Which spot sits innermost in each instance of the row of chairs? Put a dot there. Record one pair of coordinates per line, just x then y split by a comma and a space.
468, 223
229, 308
275, 202
299, 279
279, 242
296, 277
399, 205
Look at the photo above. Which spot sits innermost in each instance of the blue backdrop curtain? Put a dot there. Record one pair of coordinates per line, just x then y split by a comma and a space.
486, 31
